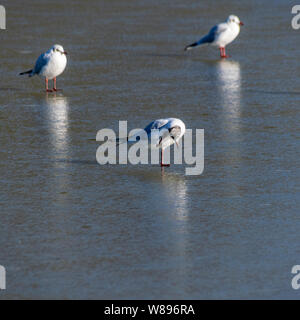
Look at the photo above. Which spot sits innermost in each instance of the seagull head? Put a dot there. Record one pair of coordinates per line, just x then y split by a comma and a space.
177, 131
234, 19
58, 49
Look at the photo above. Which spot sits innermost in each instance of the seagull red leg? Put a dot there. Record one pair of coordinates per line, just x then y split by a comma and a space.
223, 52
161, 162
225, 55
54, 85
46, 83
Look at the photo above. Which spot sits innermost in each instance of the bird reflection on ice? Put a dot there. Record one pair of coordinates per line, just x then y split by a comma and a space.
176, 193
57, 117
58, 121
229, 88
229, 84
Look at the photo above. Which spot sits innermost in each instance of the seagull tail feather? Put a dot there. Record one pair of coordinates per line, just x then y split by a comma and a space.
121, 140
203, 40
190, 46
27, 72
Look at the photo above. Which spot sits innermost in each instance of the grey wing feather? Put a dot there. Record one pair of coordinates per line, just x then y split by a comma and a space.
215, 31
210, 37
40, 63
157, 124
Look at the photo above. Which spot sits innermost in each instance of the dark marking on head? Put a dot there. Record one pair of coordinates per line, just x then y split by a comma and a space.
175, 132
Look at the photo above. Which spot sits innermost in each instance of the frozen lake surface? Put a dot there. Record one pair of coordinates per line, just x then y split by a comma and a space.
71, 228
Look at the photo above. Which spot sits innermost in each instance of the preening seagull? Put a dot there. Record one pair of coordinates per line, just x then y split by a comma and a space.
50, 65
221, 35
162, 133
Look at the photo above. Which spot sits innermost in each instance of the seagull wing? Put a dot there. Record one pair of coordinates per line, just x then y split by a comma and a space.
42, 60
164, 130
157, 124
215, 31
211, 36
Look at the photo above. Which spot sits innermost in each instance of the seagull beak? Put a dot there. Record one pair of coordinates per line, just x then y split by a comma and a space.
241, 23
65, 52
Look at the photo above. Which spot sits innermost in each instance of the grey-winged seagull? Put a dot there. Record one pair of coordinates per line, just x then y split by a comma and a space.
50, 65
163, 133
221, 35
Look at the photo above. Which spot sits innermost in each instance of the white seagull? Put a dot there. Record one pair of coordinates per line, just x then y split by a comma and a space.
50, 65
221, 35
166, 132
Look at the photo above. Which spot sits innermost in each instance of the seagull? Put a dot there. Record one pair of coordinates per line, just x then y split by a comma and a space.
221, 35
50, 65
166, 132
